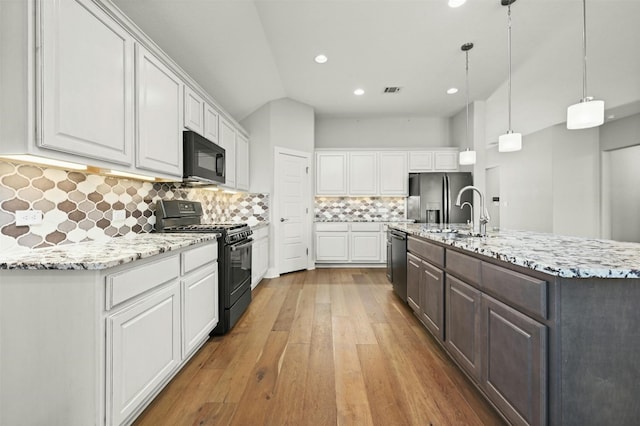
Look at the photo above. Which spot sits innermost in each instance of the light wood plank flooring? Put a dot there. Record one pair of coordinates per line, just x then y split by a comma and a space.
322, 347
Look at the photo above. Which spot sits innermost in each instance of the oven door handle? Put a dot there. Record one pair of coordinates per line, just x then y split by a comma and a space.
241, 246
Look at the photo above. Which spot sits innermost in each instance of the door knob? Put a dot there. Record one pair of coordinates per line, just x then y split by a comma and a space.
282, 219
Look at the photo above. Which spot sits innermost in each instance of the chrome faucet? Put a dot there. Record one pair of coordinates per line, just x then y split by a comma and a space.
469, 222
484, 214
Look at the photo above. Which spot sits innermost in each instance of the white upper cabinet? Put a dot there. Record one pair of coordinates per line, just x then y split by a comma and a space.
242, 162
87, 74
193, 111
446, 161
394, 177
363, 173
435, 160
210, 123
331, 173
159, 119
420, 161
228, 142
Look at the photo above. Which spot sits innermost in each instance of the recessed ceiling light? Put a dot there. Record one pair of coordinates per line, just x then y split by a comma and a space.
452, 91
611, 117
321, 59
456, 3
358, 92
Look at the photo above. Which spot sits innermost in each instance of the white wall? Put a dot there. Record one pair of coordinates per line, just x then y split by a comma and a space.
292, 125
620, 133
382, 132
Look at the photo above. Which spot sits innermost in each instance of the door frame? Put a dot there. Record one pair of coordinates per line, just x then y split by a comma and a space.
308, 196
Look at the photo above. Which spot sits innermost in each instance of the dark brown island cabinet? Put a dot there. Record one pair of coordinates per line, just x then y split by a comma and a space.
544, 350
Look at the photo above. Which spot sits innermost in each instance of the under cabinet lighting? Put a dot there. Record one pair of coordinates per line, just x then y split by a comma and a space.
130, 175
26, 158
211, 188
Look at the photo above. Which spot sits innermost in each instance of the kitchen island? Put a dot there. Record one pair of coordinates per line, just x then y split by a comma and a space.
545, 326
91, 332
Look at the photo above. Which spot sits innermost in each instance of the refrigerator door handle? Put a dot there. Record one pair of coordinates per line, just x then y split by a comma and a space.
447, 195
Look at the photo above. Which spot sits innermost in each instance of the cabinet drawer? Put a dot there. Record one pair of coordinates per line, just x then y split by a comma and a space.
130, 283
465, 267
524, 292
197, 257
332, 227
427, 251
365, 227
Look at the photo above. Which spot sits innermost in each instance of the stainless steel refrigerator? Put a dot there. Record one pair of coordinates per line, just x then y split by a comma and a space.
432, 197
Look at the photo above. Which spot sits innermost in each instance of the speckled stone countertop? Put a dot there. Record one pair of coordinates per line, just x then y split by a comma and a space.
363, 220
569, 257
259, 225
96, 255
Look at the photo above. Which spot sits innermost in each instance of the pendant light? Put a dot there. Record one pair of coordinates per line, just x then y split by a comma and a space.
510, 141
468, 156
586, 113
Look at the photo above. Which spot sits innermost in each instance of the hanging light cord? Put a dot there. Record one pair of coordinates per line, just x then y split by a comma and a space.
467, 84
509, 49
584, 50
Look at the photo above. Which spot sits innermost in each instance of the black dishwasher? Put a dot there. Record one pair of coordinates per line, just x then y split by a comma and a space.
399, 263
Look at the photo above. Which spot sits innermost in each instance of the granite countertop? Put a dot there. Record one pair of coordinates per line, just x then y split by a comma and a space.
96, 255
569, 257
364, 220
259, 225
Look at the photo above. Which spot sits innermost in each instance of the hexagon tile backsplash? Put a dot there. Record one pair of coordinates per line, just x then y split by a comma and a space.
386, 209
79, 207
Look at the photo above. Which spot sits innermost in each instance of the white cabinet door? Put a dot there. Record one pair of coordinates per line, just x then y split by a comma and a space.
259, 260
394, 178
363, 173
242, 162
331, 173
446, 161
87, 82
143, 348
420, 161
210, 123
365, 246
332, 246
159, 102
193, 111
199, 306
228, 142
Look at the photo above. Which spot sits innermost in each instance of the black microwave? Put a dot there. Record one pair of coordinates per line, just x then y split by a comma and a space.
203, 160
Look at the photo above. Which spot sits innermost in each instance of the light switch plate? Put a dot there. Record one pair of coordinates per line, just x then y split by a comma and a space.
28, 217
119, 216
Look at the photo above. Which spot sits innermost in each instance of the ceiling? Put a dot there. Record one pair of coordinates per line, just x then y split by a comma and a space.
246, 53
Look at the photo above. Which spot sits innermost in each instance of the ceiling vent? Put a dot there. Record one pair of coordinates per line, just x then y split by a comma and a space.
393, 89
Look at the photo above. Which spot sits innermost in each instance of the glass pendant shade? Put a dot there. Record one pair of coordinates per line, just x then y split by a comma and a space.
585, 114
510, 142
467, 157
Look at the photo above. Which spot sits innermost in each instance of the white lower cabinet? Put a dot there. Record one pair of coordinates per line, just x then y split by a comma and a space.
259, 256
112, 338
349, 242
200, 315
143, 348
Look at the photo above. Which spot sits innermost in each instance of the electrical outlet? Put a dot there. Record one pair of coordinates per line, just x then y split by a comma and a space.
28, 217
119, 216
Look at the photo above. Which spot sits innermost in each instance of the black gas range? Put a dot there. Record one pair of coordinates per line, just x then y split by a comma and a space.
234, 255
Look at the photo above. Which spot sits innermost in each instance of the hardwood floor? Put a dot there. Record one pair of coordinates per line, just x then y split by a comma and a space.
322, 347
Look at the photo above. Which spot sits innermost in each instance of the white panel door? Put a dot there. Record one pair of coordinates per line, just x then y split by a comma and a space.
210, 123
331, 173
193, 111
446, 161
159, 102
394, 178
332, 246
87, 82
228, 142
242, 162
365, 246
363, 173
292, 193
200, 306
143, 348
